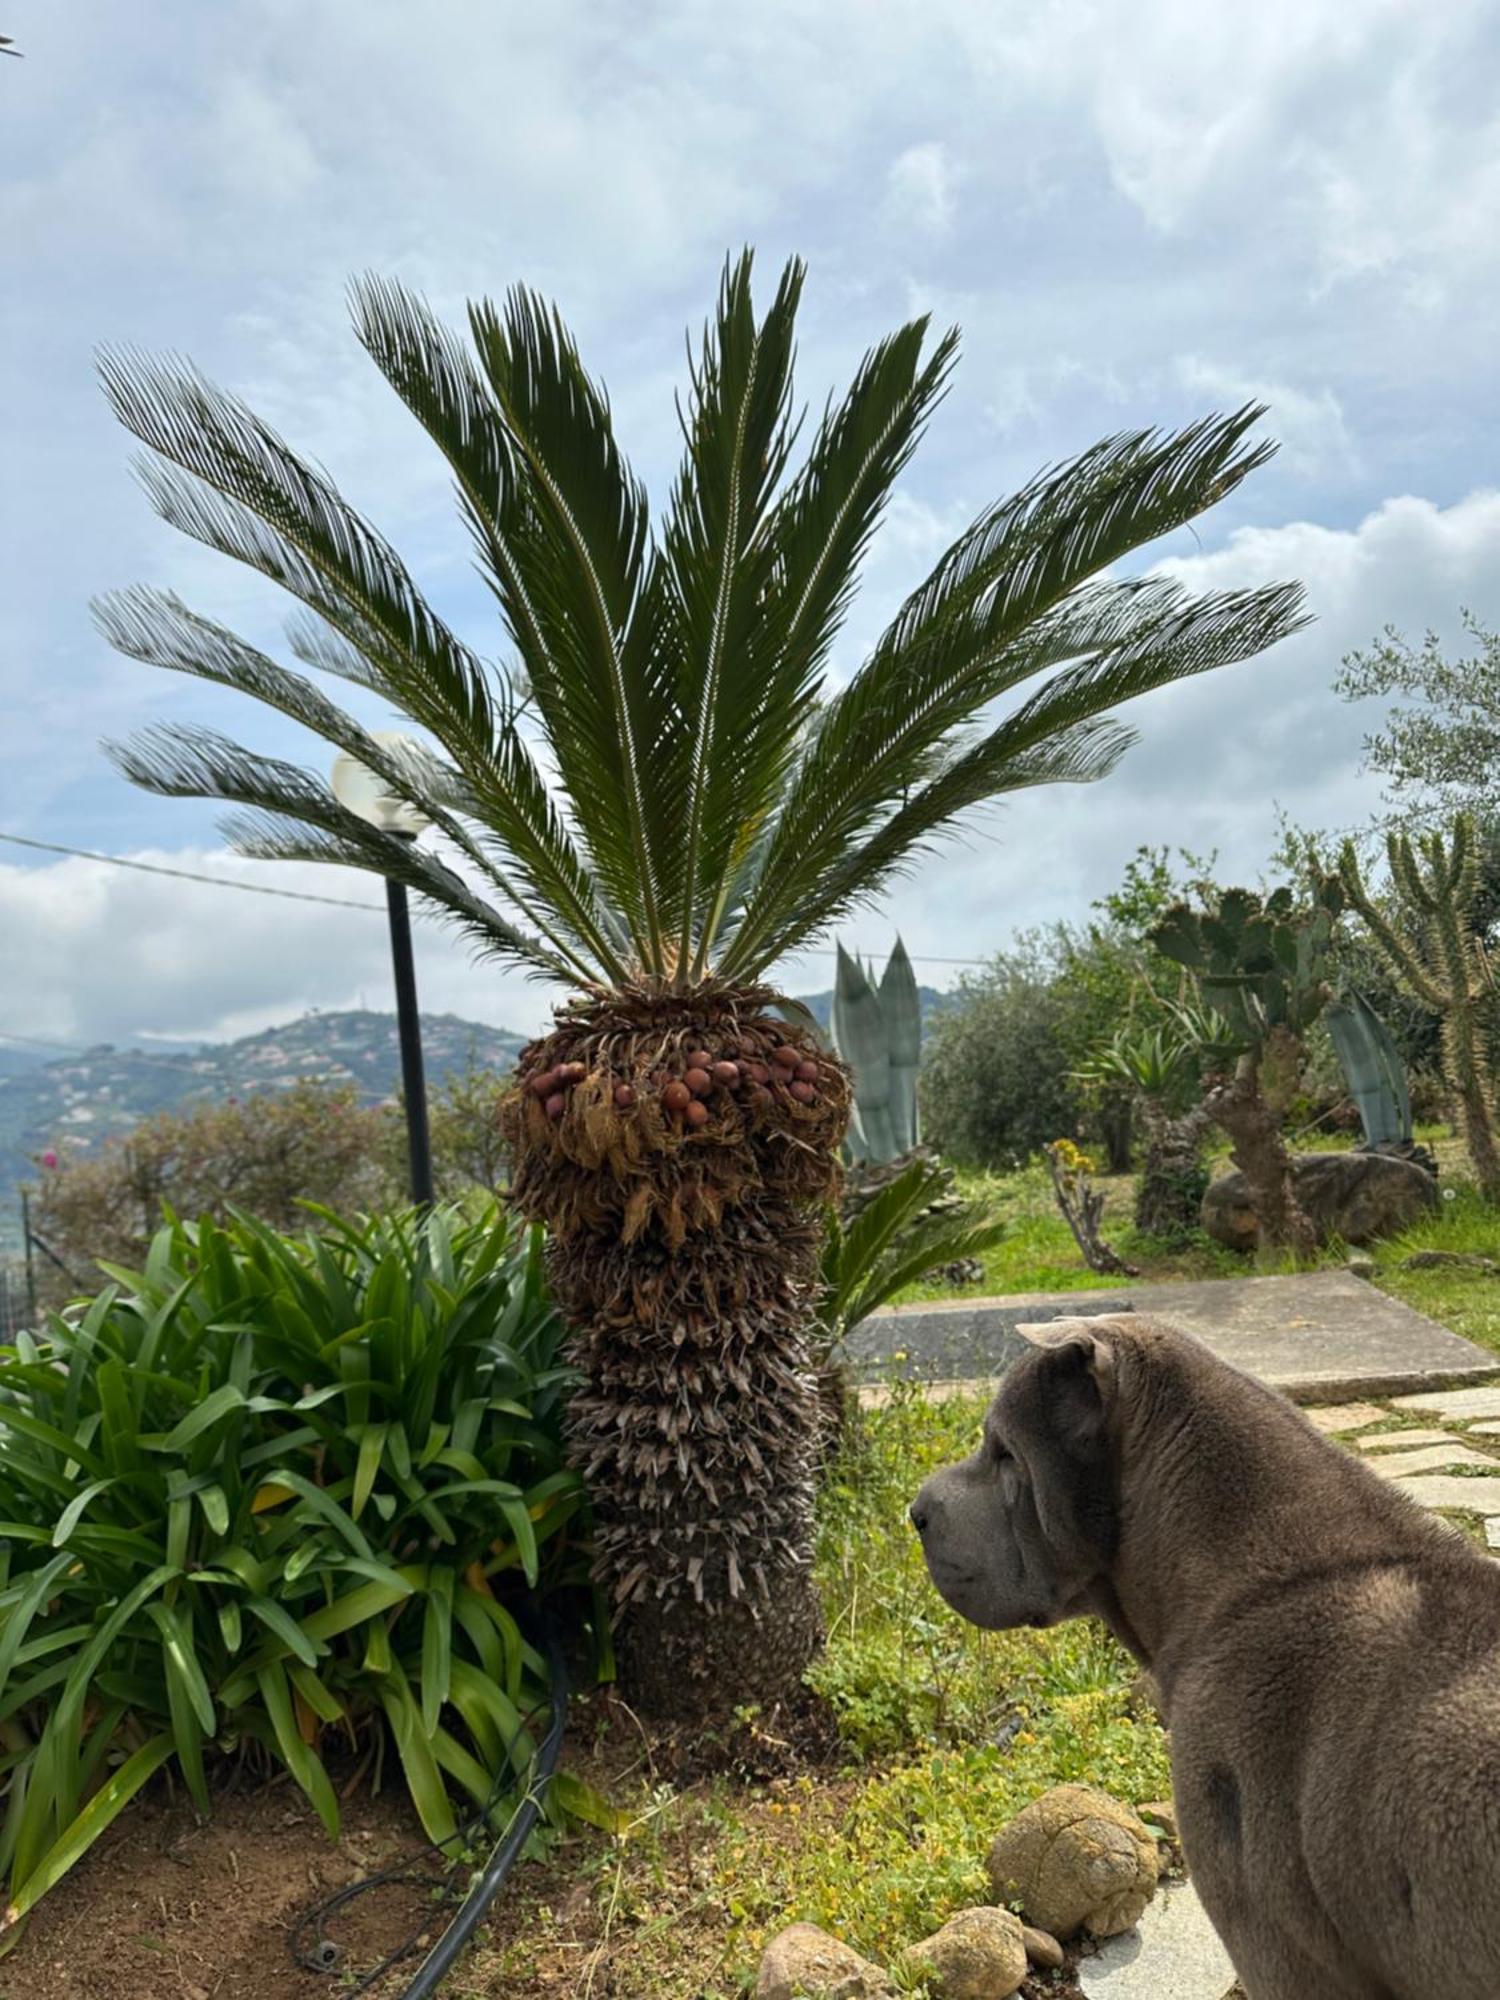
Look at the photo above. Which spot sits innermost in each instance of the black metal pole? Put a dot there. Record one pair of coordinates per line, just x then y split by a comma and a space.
30, 1258
409, 1029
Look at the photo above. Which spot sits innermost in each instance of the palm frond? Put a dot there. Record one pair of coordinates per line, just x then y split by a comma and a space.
602, 680
1013, 597
227, 479
897, 1237
437, 378
831, 509
156, 627
179, 761
719, 565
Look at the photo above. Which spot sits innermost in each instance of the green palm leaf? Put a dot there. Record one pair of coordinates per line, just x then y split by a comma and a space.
680, 795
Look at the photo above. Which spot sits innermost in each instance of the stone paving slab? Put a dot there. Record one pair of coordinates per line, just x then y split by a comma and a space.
1174, 1953
1456, 1404
1434, 1458
1332, 1417
1403, 1440
1466, 1496
1323, 1336
1483, 1430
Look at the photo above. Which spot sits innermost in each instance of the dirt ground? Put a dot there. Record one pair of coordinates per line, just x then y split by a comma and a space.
166, 1908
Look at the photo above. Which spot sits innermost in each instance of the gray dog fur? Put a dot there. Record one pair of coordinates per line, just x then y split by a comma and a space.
1327, 1656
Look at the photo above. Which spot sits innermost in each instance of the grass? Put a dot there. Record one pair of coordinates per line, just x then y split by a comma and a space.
1039, 1254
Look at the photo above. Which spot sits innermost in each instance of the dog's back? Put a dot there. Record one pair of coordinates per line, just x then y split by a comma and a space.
1336, 1744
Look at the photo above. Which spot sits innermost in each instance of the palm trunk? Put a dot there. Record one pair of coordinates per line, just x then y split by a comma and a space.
686, 1262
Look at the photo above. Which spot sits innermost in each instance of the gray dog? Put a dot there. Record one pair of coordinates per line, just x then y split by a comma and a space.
1327, 1656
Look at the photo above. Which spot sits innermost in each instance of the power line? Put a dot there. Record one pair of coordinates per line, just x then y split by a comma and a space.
344, 902
188, 875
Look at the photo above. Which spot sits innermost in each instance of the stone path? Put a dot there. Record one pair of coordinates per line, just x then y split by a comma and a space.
1173, 1954
1321, 1337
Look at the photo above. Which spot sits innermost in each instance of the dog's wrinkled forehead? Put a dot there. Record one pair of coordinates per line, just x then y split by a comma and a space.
1089, 1343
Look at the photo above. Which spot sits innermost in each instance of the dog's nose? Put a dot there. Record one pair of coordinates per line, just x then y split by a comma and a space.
920, 1516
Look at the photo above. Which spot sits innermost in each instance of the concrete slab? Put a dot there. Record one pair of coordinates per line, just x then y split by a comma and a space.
1457, 1404
1434, 1458
1460, 1496
1321, 1337
1483, 1430
1492, 1534
1173, 1954
1403, 1440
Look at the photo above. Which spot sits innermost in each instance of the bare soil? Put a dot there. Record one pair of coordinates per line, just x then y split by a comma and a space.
168, 1908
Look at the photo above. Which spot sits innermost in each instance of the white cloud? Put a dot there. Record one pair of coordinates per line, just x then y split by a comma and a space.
920, 189
109, 953
1309, 427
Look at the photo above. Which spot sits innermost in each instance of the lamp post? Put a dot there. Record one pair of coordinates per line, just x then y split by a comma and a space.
361, 791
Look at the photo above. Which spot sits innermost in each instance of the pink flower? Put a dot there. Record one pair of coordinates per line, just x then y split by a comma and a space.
49, 1158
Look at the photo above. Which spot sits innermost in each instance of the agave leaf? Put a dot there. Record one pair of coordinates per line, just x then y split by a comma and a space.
901, 1011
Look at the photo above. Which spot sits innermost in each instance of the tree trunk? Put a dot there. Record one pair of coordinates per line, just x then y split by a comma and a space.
685, 1256
1173, 1179
1240, 1107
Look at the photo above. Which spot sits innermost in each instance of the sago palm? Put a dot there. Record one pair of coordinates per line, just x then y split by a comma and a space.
659, 793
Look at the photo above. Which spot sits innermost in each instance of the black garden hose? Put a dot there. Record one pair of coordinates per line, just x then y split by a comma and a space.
439, 1961
325, 1955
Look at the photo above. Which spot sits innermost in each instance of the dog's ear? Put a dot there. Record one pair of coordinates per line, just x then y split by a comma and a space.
1079, 1387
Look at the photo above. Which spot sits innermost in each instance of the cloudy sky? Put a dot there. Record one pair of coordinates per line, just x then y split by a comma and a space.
1136, 213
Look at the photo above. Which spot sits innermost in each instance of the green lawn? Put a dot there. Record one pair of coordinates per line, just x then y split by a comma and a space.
1039, 1253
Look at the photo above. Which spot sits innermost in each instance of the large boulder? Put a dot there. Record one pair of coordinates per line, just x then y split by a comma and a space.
1356, 1196
806, 1961
1076, 1860
978, 1955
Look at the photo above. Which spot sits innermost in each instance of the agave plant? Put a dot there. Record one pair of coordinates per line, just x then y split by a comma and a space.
685, 796
878, 1032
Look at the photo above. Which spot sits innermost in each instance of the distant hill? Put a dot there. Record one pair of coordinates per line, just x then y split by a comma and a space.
77, 1102
820, 1005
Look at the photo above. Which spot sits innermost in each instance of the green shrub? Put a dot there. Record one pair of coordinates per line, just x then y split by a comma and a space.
278, 1492
997, 1083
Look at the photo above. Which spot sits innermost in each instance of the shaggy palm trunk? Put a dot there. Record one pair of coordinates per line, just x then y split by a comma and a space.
684, 1228
1248, 1105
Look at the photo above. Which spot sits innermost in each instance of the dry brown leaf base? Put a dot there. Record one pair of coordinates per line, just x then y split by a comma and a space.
684, 1256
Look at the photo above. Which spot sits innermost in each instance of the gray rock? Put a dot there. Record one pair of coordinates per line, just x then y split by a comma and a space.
1043, 1950
978, 1955
1359, 1197
1076, 1859
804, 1961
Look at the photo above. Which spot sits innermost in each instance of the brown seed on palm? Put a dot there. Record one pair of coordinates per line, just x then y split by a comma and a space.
624, 1097
699, 1059
727, 1075
699, 1081
759, 1072
676, 1096
557, 1104
787, 1056
545, 1084
807, 1072
696, 1114
573, 1072
803, 1092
